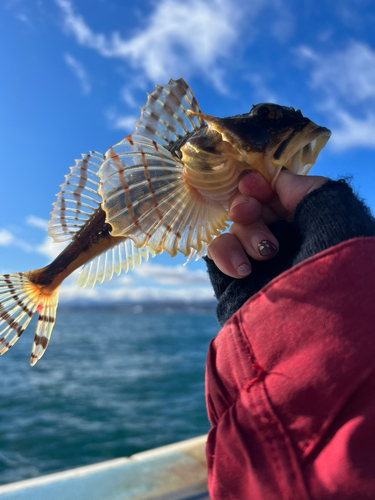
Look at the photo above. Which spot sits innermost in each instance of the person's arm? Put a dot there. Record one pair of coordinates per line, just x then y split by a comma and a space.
289, 377
302, 217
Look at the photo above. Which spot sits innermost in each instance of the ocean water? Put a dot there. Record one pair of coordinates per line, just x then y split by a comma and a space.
111, 383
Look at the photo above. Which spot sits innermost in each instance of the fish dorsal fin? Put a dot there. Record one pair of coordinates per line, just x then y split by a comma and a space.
165, 117
146, 198
78, 198
123, 256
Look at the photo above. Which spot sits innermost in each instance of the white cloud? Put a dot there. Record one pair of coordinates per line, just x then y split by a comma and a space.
50, 249
75, 24
349, 73
124, 279
79, 71
282, 27
23, 245
148, 282
6, 237
23, 18
33, 220
179, 38
351, 13
261, 91
354, 132
346, 80
101, 294
71, 293
175, 283
121, 122
156, 275
128, 97
171, 275
18, 7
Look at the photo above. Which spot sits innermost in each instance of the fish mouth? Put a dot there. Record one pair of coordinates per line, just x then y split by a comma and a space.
299, 152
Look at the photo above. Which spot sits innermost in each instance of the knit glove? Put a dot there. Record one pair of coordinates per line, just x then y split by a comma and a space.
324, 218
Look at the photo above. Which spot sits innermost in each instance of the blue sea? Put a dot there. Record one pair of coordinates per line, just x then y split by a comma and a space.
111, 383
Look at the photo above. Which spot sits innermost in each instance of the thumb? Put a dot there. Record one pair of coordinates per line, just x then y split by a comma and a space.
291, 188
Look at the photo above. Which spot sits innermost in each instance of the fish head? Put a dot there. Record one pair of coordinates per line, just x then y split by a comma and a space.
266, 139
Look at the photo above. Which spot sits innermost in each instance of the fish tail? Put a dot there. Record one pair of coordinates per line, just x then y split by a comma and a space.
20, 298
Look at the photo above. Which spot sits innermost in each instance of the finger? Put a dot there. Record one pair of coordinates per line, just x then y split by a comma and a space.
254, 185
269, 215
256, 239
244, 209
291, 188
229, 256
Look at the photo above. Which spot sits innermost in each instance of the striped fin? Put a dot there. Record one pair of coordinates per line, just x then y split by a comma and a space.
165, 117
124, 256
78, 198
46, 320
196, 254
19, 300
16, 309
146, 198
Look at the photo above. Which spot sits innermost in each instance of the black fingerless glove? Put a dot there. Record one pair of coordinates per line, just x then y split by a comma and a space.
323, 218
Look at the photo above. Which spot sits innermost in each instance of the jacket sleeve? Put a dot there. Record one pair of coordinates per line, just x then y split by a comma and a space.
324, 218
290, 382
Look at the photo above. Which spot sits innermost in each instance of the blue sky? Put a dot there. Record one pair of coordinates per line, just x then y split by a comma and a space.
74, 74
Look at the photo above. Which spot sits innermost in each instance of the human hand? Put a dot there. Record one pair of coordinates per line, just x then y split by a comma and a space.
252, 209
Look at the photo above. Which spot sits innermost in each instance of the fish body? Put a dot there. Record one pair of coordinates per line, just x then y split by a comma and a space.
165, 187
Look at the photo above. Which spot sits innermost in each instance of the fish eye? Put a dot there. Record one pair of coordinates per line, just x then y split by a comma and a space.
263, 111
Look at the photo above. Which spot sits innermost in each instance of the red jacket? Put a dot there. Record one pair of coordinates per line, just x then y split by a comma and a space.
290, 385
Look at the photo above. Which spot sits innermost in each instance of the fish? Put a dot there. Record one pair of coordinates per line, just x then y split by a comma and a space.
166, 187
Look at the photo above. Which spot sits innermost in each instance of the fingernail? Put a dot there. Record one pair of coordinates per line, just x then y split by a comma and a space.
242, 268
266, 248
238, 200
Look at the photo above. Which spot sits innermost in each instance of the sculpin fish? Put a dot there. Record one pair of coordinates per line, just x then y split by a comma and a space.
166, 187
